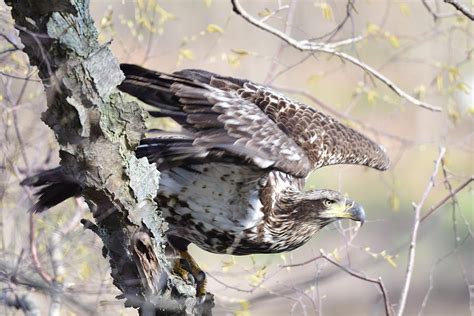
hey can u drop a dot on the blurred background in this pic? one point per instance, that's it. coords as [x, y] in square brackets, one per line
[423, 47]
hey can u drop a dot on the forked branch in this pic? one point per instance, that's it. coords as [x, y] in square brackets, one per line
[330, 48]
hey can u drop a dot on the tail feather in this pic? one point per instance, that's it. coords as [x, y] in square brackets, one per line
[54, 187]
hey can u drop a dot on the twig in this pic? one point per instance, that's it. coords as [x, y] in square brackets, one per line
[434, 14]
[58, 271]
[414, 234]
[446, 198]
[34, 254]
[351, 272]
[288, 26]
[461, 8]
[23, 302]
[307, 45]
[364, 278]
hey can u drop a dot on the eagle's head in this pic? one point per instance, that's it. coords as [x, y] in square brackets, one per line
[323, 207]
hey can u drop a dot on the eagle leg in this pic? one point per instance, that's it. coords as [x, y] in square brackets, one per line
[190, 268]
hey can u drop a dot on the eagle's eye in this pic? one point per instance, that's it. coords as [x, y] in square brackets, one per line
[327, 202]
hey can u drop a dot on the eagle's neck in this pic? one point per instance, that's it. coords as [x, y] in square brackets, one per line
[284, 226]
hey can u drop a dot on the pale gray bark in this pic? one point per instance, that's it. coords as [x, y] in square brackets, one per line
[97, 130]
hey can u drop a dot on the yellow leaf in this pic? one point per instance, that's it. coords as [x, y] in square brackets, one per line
[453, 114]
[245, 305]
[244, 308]
[461, 86]
[257, 278]
[165, 16]
[313, 79]
[233, 60]
[470, 110]
[241, 52]
[372, 29]
[394, 201]
[186, 54]
[226, 265]
[420, 91]
[207, 3]
[372, 96]
[326, 10]
[391, 261]
[453, 73]
[439, 82]
[404, 9]
[213, 28]
[264, 13]
[394, 41]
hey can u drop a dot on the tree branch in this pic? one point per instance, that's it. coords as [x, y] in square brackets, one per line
[97, 131]
[446, 198]
[461, 8]
[330, 48]
[414, 234]
[351, 272]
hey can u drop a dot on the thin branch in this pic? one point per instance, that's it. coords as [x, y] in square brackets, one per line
[351, 272]
[446, 198]
[288, 26]
[434, 14]
[34, 253]
[414, 234]
[355, 274]
[308, 45]
[21, 302]
[461, 8]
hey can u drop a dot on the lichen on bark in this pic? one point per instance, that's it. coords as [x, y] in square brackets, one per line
[97, 130]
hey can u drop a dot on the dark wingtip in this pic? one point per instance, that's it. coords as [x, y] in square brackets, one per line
[131, 69]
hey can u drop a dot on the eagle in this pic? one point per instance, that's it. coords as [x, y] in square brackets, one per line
[232, 178]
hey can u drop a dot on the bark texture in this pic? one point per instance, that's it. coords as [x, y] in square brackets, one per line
[97, 130]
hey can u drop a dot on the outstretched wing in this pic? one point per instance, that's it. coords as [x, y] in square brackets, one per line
[250, 122]
[324, 140]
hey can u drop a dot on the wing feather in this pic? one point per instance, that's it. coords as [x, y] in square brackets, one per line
[251, 122]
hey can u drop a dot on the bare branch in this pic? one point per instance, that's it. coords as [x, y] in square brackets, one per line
[308, 45]
[461, 8]
[435, 14]
[34, 253]
[414, 234]
[446, 198]
[353, 273]
[21, 302]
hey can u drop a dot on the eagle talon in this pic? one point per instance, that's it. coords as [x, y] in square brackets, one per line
[183, 270]
[189, 271]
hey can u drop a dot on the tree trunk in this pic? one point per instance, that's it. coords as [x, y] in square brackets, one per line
[97, 131]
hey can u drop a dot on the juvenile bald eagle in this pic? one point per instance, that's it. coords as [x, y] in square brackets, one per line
[232, 180]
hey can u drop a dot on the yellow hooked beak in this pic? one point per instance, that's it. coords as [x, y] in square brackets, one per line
[350, 209]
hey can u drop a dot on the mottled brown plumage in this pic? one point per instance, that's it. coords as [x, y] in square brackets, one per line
[232, 179]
